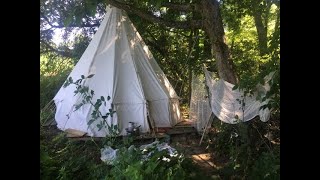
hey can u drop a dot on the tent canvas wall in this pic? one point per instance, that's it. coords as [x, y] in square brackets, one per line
[125, 70]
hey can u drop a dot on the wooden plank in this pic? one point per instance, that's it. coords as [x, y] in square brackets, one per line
[141, 137]
[184, 123]
[183, 126]
[151, 136]
[181, 131]
[86, 138]
[74, 133]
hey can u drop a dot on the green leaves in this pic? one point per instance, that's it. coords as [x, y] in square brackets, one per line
[78, 81]
[115, 127]
[91, 121]
[67, 21]
[97, 104]
[90, 76]
[130, 166]
[157, 3]
[99, 126]
[78, 106]
[68, 82]
[235, 87]
[87, 95]
[95, 114]
[90, 7]
[88, 98]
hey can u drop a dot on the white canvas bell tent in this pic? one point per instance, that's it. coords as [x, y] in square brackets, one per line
[125, 70]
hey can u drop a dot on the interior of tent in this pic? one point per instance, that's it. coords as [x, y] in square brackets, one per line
[123, 69]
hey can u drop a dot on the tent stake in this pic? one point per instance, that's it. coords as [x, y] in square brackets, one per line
[205, 129]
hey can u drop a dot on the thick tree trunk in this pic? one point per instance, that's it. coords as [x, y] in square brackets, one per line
[214, 28]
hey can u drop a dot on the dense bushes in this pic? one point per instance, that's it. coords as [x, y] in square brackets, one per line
[53, 72]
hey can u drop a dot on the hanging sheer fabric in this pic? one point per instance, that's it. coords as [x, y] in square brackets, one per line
[229, 106]
[232, 106]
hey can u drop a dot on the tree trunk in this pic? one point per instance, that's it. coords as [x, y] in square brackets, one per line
[262, 33]
[189, 83]
[213, 26]
[275, 36]
[193, 46]
[261, 23]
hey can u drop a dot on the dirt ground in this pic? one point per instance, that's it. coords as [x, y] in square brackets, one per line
[188, 144]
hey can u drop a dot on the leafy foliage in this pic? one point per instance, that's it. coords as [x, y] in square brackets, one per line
[245, 146]
[53, 72]
[61, 158]
[267, 166]
[130, 165]
[97, 116]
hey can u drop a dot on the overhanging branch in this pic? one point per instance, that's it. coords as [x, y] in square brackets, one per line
[72, 25]
[52, 49]
[179, 7]
[152, 18]
[78, 26]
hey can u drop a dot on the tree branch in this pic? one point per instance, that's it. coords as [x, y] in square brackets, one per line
[46, 19]
[59, 52]
[78, 26]
[152, 18]
[179, 7]
[266, 15]
[72, 25]
[156, 46]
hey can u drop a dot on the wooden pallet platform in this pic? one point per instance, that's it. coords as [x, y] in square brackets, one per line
[181, 130]
[184, 127]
